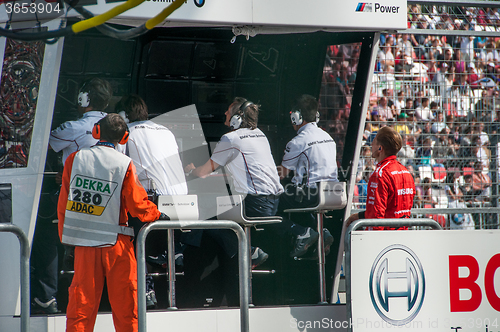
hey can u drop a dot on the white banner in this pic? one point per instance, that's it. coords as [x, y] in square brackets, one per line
[425, 280]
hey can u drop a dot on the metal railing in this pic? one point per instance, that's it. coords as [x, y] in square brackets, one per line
[25, 273]
[374, 223]
[243, 260]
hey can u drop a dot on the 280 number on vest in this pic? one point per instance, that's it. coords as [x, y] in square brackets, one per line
[89, 195]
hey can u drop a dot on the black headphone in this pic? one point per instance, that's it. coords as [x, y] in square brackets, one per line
[237, 118]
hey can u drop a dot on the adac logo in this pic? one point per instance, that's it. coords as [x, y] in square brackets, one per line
[397, 285]
[199, 3]
[364, 7]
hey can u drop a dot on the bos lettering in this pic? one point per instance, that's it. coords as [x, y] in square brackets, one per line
[470, 283]
[386, 9]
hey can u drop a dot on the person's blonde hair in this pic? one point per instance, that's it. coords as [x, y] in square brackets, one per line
[390, 140]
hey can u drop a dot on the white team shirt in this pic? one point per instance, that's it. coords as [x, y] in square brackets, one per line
[155, 153]
[246, 154]
[312, 154]
[73, 136]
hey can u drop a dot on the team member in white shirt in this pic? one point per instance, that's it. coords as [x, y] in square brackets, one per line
[71, 136]
[246, 154]
[154, 151]
[311, 155]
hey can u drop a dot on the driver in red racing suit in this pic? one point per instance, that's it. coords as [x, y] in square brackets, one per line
[391, 187]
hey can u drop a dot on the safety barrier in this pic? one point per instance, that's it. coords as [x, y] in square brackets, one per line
[243, 260]
[25, 273]
[374, 223]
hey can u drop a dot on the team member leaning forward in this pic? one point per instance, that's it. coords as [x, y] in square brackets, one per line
[99, 188]
[246, 154]
[391, 187]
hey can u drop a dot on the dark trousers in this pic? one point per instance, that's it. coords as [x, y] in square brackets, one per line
[294, 198]
[44, 260]
[255, 206]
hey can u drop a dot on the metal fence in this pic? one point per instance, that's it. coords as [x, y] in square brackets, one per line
[437, 84]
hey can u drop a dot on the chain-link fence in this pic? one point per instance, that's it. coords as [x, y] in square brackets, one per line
[440, 91]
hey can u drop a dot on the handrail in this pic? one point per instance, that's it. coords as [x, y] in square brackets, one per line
[25, 273]
[425, 222]
[243, 260]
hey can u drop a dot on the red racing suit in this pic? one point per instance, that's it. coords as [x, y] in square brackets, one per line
[116, 263]
[390, 191]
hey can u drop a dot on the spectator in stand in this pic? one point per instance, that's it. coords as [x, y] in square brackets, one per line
[456, 201]
[446, 57]
[384, 111]
[375, 121]
[405, 48]
[467, 48]
[458, 62]
[481, 183]
[442, 150]
[424, 153]
[412, 124]
[410, 106]
[428, 201]
[479, 46]
[435, 50]
[400, 103]
[481, 153]
[485, 104]
[449, 79]
[440, 124]
[492, 55]
[406, 154]
[400, 126]
[432, 71]
[386, 58]
[478, 129]
[389, 94]
[440, 77]
[491, 72]
[343, 79]
[423, 112]
[472, 77]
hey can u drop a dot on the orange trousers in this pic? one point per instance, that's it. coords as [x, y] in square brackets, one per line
[116, 264]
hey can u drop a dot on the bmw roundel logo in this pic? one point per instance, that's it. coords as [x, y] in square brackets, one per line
[397, 284]
[199, 3]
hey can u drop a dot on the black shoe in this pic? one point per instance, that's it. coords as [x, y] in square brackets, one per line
[49, 307]
[303, 242]
[258, 257]
[162, 260]
[327, 240]
[151, 299]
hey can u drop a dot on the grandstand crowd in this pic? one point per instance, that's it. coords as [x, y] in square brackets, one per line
[441, 93]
